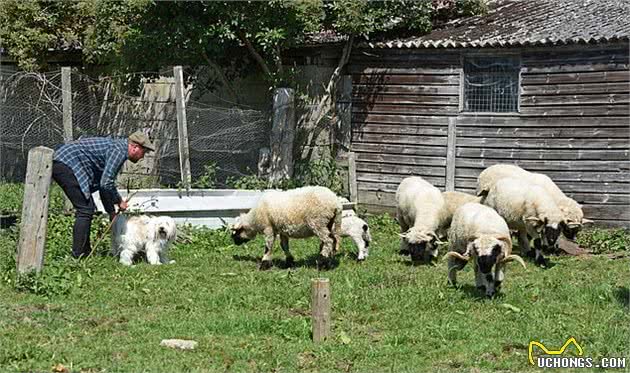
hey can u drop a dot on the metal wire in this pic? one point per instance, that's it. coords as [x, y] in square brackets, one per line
[491, 84]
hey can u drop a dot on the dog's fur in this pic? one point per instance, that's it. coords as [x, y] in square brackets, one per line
[152, 235]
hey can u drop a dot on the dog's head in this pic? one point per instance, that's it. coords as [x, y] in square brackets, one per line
[165, 228]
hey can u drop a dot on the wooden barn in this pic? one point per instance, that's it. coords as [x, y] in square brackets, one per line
[541, 84]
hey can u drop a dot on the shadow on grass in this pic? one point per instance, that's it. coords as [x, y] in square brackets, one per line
[476, 294]
[312, 261]
[622, 294]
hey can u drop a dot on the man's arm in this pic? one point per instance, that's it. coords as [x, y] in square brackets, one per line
[108, 191]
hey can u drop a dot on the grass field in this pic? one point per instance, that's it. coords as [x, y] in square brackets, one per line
[387, 315]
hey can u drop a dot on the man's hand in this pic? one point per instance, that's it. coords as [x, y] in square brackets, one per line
[123, 205]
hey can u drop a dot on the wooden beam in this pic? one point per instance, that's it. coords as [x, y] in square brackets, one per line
[282, 135]
[66, 98]
[35, 210]
[352, 177]
[182, 127]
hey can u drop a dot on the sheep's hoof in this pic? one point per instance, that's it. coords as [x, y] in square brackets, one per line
[289, 262]
[541, 261]
[264, 265]
[324, 264]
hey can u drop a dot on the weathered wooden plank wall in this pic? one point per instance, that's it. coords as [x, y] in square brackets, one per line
[573, 124]
[401, 105]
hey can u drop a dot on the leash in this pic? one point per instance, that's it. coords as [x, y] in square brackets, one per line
[109, 227]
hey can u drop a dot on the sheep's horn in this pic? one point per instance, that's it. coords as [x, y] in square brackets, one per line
[515, 257]
[587, 221]
[454, 254]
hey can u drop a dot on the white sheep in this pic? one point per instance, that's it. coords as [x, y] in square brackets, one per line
[455, 200]
[478, 232]
[571, 210]
[298, 213]
[358, 230]
[420, 210]
[528, 209]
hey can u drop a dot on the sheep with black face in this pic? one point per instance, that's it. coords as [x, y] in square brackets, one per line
[528, 209]
[573, 217]
[420, 210]
[298, 213]
[479, 233]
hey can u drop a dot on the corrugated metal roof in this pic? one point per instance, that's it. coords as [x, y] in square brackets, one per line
[524, 23]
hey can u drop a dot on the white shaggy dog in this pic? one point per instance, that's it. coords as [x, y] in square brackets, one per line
[150, 234]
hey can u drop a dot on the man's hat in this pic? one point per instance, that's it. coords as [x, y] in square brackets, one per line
[142, 139]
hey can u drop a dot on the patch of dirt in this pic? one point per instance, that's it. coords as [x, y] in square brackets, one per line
[572, 248]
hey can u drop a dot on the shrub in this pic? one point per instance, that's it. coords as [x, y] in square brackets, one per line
[601, 240]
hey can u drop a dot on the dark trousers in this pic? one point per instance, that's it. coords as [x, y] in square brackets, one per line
[84, 208]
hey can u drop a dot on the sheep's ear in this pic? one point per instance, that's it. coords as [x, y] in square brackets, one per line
[402, 235]
[587, 221]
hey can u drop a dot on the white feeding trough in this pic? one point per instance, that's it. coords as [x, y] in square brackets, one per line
[198, 207]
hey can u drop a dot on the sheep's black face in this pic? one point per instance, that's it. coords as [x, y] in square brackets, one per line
[489, 283]
[238, 238]
[417, 251]
[551, 235]
[570, 231]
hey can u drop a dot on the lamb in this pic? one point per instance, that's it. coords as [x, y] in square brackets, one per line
[357, 229]
[421, 214]
[298, 213]
[528, 209]
[572, 211]
[455, 200]
[478, 232]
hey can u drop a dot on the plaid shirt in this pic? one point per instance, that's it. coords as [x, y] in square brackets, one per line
[95, 162]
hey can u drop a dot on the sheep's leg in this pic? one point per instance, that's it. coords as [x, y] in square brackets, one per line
[499, 276]
[404, 246]
[539, 258]
[523, 243]
[479, 280]
[270, 240]
[454, 265]
[363, 249]
[284, 243]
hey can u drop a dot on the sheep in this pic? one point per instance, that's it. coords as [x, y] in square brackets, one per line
[357, 229]
[528, 209]
[572, 211]
[420, 210]
[298, 213]
[453, 201]
[480, 233]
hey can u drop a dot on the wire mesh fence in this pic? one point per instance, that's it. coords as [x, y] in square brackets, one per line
[224, 140]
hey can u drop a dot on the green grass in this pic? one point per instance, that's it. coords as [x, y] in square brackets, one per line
[387, 315]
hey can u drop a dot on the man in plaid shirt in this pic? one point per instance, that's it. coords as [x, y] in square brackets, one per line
[84, 166]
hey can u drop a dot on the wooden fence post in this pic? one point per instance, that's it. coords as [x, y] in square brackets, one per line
[182, 127]
[35, 210]
[352, 177]
[343, 136]
[320, 309]
[451, 154]
[282, 135]
[66, 102]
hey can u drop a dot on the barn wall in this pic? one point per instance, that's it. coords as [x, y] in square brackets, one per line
[573, 124]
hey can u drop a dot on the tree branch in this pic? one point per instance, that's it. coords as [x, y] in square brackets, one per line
[325, 103]
[222, 77]
[261, 62]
